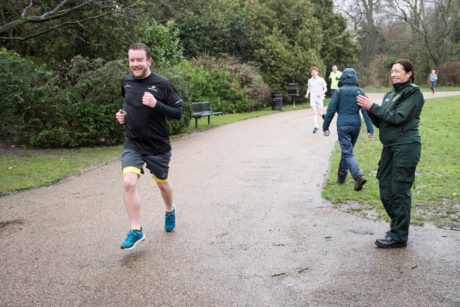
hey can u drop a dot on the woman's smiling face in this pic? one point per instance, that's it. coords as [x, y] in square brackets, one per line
[398, 74]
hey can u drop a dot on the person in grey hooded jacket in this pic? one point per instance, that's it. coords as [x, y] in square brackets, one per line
[343, 102]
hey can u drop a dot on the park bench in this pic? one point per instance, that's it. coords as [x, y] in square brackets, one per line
[202, 109]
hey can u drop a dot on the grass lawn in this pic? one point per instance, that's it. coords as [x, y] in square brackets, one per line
[436, 192]
[27, 168]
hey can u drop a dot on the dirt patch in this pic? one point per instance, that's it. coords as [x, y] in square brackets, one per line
[4, 225]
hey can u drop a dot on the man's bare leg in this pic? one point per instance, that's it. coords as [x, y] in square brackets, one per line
[131, 198]
[167, 194]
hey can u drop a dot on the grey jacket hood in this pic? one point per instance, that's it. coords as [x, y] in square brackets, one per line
[348, 77]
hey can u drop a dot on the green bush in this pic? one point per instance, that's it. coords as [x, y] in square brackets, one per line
[71, 107]
[179, 75]
[230, 86]
[21, 82]
[164, 42]
[214, 86]
[74, 105]
[83, 98]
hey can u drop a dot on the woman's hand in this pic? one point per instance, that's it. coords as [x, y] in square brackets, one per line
[364, 102]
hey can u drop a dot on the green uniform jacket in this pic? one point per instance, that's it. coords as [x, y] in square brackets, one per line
[398, 117]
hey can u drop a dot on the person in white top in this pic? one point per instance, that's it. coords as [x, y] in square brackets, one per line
[317, 88]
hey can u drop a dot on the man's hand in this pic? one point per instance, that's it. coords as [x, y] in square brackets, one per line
[121, 116]
[148, 100]
[370, 135]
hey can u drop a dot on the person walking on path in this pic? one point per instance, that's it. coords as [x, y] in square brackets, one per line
[348, 125]
[433, 79]
[334, 78]
[398, 119]
[317, 89]
[148, 99]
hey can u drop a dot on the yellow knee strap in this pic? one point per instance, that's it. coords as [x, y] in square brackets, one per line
[132, 169]
[159, 180]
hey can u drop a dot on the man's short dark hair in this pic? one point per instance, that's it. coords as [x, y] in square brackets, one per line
[141, 46]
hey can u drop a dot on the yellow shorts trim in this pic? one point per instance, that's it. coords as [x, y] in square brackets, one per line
[132, 169]
[158, 180]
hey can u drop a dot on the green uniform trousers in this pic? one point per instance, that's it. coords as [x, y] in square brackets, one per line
[396, 174]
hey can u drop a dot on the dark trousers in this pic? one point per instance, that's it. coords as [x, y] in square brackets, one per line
[432, 86]
[396, 176]
[348, 135]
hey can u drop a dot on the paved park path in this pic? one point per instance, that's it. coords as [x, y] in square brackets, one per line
[252, 230]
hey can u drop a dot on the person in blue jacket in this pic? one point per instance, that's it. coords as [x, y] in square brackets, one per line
[343, 102]
[433, 78]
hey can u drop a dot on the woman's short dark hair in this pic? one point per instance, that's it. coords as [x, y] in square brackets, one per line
[408, 67]
[141, 46]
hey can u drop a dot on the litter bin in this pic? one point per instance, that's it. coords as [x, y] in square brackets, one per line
[277, 101]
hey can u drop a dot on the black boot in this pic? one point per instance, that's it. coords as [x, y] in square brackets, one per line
[359, 182]
[388, 242]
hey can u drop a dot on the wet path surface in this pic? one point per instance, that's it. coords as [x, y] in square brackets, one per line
[252, 230]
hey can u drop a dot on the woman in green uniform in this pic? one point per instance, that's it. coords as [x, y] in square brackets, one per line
[398, 119]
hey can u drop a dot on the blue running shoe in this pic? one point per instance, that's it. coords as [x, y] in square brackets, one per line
[132, 238]
[170, 220]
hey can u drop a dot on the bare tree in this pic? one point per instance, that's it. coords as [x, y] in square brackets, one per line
[361, 15]
[432, 23]
[51, 19]
[353, 11]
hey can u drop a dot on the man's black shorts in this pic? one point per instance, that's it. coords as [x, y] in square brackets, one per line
[133, 162]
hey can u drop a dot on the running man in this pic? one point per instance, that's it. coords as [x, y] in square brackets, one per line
[148, 99]
[317, 89]
[334, 78]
